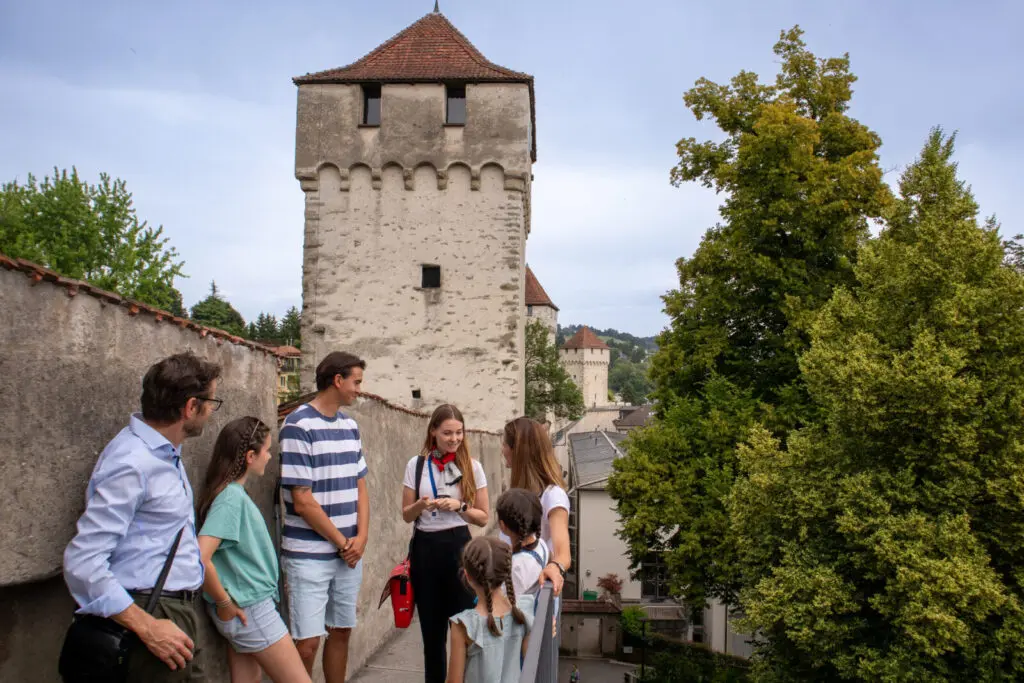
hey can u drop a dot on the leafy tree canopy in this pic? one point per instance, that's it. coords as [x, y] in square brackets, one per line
[92, 233]
[549, 389]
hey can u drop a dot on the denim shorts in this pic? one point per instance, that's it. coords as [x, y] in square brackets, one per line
[264, 628]
[322, 594]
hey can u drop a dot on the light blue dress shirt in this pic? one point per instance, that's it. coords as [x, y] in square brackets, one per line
[138, 498]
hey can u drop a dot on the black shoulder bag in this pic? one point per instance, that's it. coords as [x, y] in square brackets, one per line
[96, 648]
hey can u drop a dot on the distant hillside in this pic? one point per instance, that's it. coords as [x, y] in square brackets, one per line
[630, 356]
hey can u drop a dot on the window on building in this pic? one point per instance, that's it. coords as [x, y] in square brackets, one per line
[417, 394]
[654, 578]
[431, 277]
[456, 110]
[371, 104]
[529, 311]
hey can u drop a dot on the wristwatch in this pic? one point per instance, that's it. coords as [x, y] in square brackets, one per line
[561, 569]
[463, 508]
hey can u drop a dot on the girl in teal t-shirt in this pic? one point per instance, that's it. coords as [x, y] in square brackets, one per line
[241, 565]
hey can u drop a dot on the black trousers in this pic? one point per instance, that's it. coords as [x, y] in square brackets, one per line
[438, 592]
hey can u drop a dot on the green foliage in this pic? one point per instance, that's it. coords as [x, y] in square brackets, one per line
[92, 233]
[631, 620]
[264, 329]
[689, 663]
[886, 541]
[290, 330]
[548, 386]
[801, 181]
[630, 380]
[213, 311]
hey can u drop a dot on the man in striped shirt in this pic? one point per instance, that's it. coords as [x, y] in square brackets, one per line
[327, 515]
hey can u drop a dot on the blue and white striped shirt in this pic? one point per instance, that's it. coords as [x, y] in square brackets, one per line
[324, 454]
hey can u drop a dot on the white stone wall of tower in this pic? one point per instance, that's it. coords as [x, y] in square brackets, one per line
[380, 203]
[589, 370]
[546, 315]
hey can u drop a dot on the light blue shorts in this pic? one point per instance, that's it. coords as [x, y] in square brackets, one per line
[322, 594]
[264, 628]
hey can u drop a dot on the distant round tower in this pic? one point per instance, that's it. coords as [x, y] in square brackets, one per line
[586, 358]
[416, 163]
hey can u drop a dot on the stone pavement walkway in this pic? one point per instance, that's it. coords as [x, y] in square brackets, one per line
[401, 661]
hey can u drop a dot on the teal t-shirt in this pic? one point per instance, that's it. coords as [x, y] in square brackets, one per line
[246, 562]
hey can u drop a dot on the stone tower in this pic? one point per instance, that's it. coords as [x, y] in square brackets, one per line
[416, 164]
[586, 358]
[539, 306]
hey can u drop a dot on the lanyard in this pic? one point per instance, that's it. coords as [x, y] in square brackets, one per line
[433, 486]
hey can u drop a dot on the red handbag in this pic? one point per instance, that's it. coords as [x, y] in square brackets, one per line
[399, 589]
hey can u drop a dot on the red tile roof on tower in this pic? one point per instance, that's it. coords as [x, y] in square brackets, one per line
[431, 50]
[585, 339]
[535, 294]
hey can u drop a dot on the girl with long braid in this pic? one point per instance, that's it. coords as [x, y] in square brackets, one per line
[240, 585]
[519, 518]
[489, 640]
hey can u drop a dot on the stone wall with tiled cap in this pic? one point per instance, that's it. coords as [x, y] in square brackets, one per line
[71, 369]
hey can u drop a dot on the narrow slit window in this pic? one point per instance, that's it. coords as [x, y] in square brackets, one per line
[431, 277]
[417, 394]
[456, 115]
[371, 105]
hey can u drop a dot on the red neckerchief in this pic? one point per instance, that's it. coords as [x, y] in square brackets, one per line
[442, 460]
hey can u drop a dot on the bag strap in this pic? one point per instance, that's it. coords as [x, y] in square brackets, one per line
[420, 461]
[159, 588]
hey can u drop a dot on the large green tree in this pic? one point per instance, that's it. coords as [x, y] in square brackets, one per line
[549, 389]
[801, 181]
[886, 542]
[290, 330]
[215, 311]
[92, 233]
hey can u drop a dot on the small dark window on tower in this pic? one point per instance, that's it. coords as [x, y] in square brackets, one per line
[431, 277]
[416, 394]
[371, 104]
[456, 105]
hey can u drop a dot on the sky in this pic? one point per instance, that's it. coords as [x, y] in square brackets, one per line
[193, 105]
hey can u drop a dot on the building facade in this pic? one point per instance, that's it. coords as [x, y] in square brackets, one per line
[416, 165]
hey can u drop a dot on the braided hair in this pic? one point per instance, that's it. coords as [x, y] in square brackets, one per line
[520, 510]
[488, 564]
[229, 462]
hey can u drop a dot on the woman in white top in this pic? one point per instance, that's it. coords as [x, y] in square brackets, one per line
[527, 449]
[450, 495]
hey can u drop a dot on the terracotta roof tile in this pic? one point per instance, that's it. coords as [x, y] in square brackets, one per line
[37, 273]
[535, 294]
[287, 351]
[585, 339]
[431, 50]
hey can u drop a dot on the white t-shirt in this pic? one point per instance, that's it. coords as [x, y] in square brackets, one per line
[439, 520]
[554, 497]
[527, 566]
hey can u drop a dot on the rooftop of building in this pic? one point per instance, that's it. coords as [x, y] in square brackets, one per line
[636, 418]
[431, 50]
[535, 294]
[591, 455]
[584, 339]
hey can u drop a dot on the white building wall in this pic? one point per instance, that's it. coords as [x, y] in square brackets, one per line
[601, 551]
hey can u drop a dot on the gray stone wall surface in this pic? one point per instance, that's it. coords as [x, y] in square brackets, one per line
[71, 372]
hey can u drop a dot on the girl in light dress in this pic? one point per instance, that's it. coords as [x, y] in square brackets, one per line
[489, 640]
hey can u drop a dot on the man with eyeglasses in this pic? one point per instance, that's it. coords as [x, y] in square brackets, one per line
[138, 499]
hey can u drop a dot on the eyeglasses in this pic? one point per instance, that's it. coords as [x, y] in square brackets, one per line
[217, 403]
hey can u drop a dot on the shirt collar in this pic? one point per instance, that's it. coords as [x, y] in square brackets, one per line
[154, 440]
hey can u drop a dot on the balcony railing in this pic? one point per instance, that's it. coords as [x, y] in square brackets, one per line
[541, 662]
